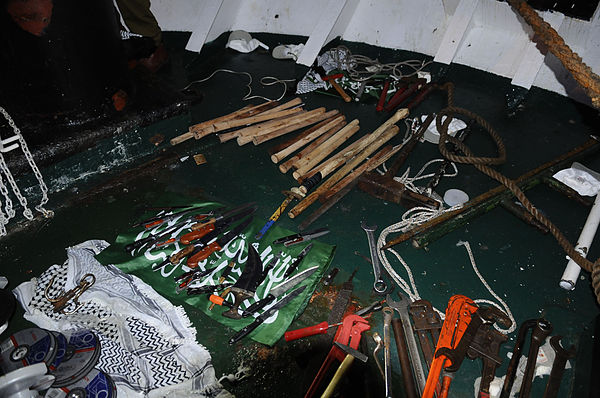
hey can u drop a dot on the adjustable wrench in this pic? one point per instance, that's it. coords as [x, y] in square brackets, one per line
[379, 285]
[558, 367]
[415, 359]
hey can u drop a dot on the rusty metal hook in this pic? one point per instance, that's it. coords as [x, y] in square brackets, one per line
[61, 301]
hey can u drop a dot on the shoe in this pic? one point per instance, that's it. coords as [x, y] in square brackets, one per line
[156, 60]
[287, 51]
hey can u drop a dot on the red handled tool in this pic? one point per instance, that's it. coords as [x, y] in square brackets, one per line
[320, 328]
[381, 102]
[218, 244]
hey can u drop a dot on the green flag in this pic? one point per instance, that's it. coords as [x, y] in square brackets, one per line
[162, 280]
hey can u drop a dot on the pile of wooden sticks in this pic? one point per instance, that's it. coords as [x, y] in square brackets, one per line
[311, 154]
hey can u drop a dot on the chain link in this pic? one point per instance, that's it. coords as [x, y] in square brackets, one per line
[27, 213]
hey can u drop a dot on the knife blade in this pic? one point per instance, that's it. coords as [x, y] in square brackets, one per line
[265, 315]
[243, 291]
[293, 266]
[300, 237]
[230, 213]
[279, 290]
[218, 244]
[220, 223]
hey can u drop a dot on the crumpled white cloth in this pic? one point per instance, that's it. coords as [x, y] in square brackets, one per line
[583, 182]
[148, 346]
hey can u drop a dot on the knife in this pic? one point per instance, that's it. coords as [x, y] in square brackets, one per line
[220, 223]
[217, 245]
[300, 237]
[265, 315]
[297, 261]
[231, 212]
[279, 290]
[246, 285]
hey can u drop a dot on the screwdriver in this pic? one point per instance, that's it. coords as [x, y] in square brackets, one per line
[320, 328]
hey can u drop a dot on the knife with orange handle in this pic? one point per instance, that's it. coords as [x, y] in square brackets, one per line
[222, 278]
[220, 223]
[218, 244]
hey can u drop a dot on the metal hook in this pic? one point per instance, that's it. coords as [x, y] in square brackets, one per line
[61, 301]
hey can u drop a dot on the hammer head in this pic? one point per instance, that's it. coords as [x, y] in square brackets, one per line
[351, 351]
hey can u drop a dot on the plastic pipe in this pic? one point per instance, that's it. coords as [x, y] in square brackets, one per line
[572, 270]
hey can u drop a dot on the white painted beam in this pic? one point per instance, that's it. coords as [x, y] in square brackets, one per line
[532, 58]
[333, 20]
[208, 10]
[456, 31]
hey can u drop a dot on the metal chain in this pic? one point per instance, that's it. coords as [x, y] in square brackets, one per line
[38, 175]
[10, 212]
[13, 184]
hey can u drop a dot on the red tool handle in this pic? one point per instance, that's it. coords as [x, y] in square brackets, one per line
[332, 77]
[320, 328]
[384, 91]
[166, 242]
[203, 254]
[153, 224]
[197, 234]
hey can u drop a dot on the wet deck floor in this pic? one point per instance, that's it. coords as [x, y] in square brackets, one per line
[97, 199]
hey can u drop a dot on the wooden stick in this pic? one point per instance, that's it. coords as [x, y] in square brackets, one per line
[328, 165]
[290, 141]
[224, 137]
[288, 129]
[247, 111]
[191, 130]
[371, 164]
[338, 175]
[306, 137]
[204, 129]
[287, 105]
[313, 159]
[249, 133]
[345, 185]
[288, 164]
[355, 147]
[228, 124]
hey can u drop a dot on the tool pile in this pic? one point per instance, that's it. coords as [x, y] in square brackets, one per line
[230, 282]
[430, 351]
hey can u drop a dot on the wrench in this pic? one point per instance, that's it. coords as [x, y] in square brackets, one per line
[388, 314]
[402, 308]
[538, 335]
[511, 371]
[379, 285]
[558, 367]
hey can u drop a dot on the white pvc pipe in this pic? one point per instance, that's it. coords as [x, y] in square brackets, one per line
[572, 270]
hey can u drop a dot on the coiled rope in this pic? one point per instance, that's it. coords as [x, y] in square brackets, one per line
[483, 164]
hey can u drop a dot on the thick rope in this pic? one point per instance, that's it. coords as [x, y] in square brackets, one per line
[481, 163]
[582, 73]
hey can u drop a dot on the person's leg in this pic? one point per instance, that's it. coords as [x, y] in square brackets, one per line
[139, 19]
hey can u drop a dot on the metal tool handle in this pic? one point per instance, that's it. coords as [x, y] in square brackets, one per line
[407, 376]
[413, 350]
[388, 313]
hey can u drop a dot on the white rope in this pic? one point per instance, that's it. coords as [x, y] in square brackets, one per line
[265, 81]
[361, 67]
[410, 219]
[503, 306]
[409, 182]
